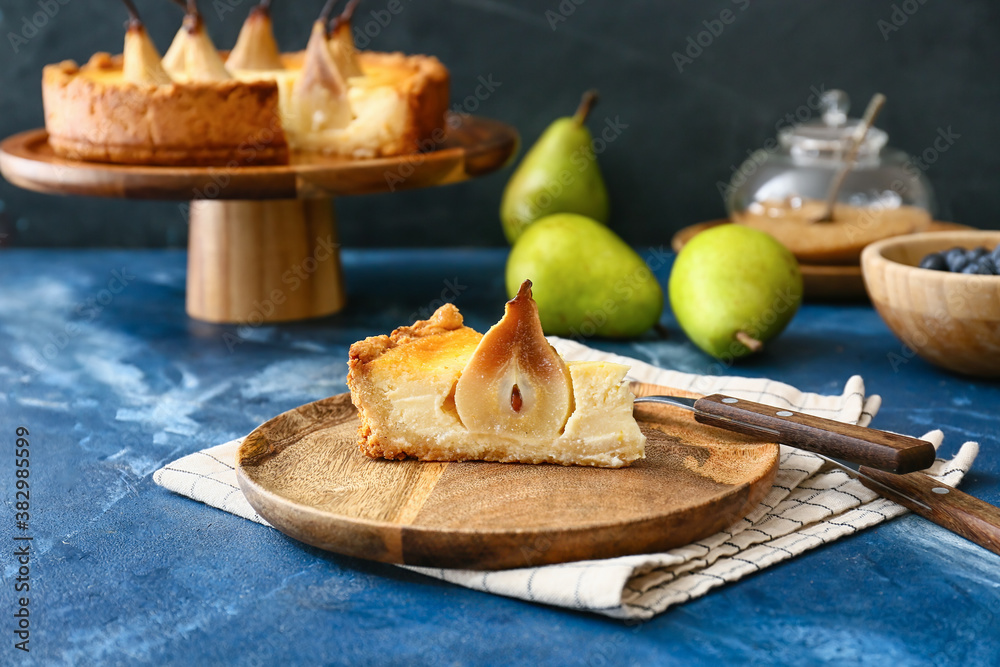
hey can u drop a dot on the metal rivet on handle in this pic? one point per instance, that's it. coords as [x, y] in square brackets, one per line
[784, 413]
[730, 400]
[940, 489]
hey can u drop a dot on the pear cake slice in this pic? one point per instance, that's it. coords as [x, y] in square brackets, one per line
[253, 106]
[440, 391]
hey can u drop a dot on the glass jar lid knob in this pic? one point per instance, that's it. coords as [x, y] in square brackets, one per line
[835, 105]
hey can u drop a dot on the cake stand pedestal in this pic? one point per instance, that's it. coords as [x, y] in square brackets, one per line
[263, 240]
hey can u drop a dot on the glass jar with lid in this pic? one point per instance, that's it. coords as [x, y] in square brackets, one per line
[783, 190]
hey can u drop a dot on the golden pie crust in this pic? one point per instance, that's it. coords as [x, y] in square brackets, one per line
[91, 113]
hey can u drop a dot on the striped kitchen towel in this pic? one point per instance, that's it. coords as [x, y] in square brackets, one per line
[810, 504]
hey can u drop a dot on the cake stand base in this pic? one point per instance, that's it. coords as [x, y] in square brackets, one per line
[256, 261]
[263, 243]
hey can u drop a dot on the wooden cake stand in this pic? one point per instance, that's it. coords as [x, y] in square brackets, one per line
[263, 240]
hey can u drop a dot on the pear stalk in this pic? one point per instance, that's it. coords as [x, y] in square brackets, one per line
[587, 104]
[192, 56]
[133, 14]
[141, 60]
[749, 341]
[347, 15]
[321, 92]
[539, 186]
[342, 42]
[324, 14]
[256, 48]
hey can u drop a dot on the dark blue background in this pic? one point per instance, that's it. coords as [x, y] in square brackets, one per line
[686, 130]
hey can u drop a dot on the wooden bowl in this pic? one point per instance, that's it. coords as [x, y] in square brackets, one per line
[949, 319]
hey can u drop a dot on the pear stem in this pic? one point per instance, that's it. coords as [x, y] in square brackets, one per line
[345, 16]
[324, 15]
[857, 138]
[192, 17]
[586, 105]
[524, 292]
[348, 12]
[752, 343]
[189, 6]
[133, 14]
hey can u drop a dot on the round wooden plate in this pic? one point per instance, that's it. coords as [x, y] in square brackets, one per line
[819, 281]
[475, 147]
[302, 471]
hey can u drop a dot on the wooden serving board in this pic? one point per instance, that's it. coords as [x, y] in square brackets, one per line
[303, 472]
[822, 282]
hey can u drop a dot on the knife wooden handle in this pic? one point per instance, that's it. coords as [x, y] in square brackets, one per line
[867, 446]
[962, 514]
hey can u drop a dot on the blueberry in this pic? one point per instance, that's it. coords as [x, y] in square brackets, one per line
[988, 266]
[976, 253]
[976, 269]
[996, 255]
[956, 260]
[934, 261]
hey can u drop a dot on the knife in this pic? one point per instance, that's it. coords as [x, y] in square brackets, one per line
[867, 446]
[962, 514]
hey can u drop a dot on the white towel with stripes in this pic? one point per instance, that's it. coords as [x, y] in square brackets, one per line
[809, 505]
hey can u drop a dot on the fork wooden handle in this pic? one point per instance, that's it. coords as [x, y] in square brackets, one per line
[962, 514]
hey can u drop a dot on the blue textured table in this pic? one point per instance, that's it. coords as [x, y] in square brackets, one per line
[99, 362]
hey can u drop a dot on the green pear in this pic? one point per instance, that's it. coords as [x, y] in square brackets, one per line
[558, 175]
[732, 288]
[586, 281]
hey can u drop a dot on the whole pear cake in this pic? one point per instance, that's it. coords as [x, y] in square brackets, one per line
[251, 106]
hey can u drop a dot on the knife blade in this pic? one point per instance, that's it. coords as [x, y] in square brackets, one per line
[867, 446]
[974, 519]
